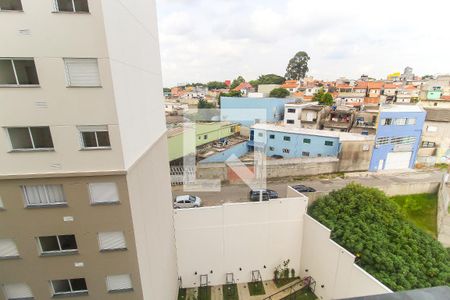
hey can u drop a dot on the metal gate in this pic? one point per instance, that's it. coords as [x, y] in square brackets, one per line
[181, 175]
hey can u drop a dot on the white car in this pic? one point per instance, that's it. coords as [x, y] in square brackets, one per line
[187, 201]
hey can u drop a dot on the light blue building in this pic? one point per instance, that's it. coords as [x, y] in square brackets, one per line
[398, 137]
[296, 142]
[248, 111]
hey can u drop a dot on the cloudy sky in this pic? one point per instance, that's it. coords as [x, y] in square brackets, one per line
[204, 40]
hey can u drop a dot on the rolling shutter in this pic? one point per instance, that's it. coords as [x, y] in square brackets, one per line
[111, 240]
[17, 291]
[8, 248]
[103, 192]
[82, 72]
[119, 282]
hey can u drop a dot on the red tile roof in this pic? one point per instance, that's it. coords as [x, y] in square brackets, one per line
[371, 100]
[361, 85]
[375, 85]
[290, 84]
[390, 86]
[243, 85]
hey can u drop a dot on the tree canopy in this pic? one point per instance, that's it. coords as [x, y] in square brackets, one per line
[297, 66]
[270, 79]
[215, 85]
[204, 104]
[323, 98]
[237, 82]
[367, 223]
[279, 93]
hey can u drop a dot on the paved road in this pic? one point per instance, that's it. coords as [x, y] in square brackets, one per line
[239, 192]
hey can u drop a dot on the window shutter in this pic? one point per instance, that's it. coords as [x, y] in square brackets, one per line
[2, 206]
[8, 248]
[17, 291]
[55, 193]
[82, 72]
[111, 240]
[119, 282]
[103, 192]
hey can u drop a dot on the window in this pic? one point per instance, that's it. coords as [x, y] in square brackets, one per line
[103, 192]
[2, 206]
[272, 136]
[94, 137]
[287, 138]
[411, 121]
[205, 136]
[290, 121]
[30, 138]
[58, 244]
[305, 154]
[72, 5]
[291, 110]
[82, 72]
[382, 141]
[119, 283]
[271, 149]
[431, 128]
[400, 121]
[17, 291]
[11, 5]
[8, 249]
[69, 286]
[109, 241]
[286, 150]
[387, 121]
[328, 143]
[260, 134]
[43, 195]
[18, 72]
[428, 144]
[306, 141]
[364, 132]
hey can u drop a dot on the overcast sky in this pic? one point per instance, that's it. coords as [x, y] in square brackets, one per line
[205, 40]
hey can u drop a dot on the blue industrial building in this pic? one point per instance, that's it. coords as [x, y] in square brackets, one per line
[248, 111]
[399, 131]
[295, 142]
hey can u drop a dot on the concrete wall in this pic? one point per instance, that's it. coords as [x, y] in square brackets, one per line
[355, 156]
[438, 132]
[237, 150]
[238, 238]
[443, 216]
[332, 267]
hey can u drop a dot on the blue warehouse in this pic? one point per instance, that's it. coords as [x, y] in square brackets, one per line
[248, 111]
[398, 137]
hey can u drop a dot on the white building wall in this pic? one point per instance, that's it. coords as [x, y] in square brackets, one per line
[332, 267]
[246, 236]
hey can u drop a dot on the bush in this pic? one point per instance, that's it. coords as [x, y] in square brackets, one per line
[366, 222]
[279, 93]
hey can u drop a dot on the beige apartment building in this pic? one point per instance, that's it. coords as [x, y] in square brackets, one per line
[85, 200]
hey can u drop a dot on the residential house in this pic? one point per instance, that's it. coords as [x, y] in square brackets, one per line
[265, 89]
[248, 111]
[435, 145]
[390, 91]
[340, 118]
[374, 88]
[175, 108]
[312, 116]
[244, 88]
[399, 131]
[293, 113]
[291, 85]
[365, 122]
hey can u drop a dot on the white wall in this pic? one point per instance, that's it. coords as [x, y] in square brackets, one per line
[332, 266]
[247, 235]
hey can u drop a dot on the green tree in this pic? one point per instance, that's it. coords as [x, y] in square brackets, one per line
[297, 66]
[215, 85]
[237, 82]
[317, 97]
[204, 104]
[270, 79]
[166, 90]
[323, 98]
[369, 224]
[279, 93]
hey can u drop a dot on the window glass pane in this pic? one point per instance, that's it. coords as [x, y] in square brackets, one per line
[7, 72]
[26, 71]
[61, 286]
[81, 5]
[103, 139]
[42, 137]
[307, 141]
[49, 243]
[10, 5]
[68, 242]
[65, 5]
[78, 284]
[55, 193]
[89, 140]
[20, 138]
[35, 194]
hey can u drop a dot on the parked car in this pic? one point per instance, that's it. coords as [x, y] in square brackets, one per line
[303, 188]
[266, 195]
[187, 201]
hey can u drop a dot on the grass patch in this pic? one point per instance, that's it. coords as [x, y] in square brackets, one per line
[230, 292]
[181, 294]
[256, 288]
[283, 281]
[420, 209]
[303, 294]
[204, 293]
[441, 166]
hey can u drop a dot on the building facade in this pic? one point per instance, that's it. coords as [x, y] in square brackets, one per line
[435, 145]
[399, 132]
[84, 180]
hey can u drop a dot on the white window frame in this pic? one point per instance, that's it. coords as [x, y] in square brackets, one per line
[111, 290]
[95, 129]
[27, 295]
[15, 72]
[72, 292]
[13, 243]
[90, 187]
[56, 7]
[111, 249]
[45, 186]
[411, 121]
[67, 73]
[59, 245]
[400, 121]
[31, 138]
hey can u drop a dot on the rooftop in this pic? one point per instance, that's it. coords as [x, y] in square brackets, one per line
[401, 108]
[438, 115]
[343, 136]
[301, 105]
